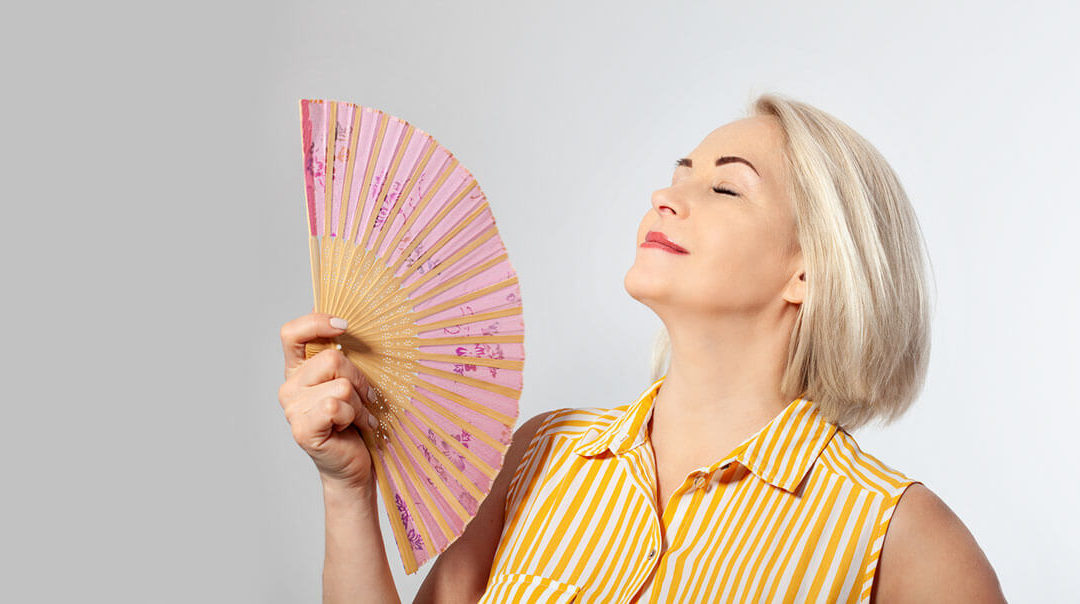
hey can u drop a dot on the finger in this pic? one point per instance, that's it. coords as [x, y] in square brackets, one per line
[341, 414]
[313, 428]
[340, 389]
[330, 406]
[303, 329]
[327, 365]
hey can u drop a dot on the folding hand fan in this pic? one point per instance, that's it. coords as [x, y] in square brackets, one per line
[404, 247]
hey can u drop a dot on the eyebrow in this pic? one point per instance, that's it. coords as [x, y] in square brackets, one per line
[727, 159]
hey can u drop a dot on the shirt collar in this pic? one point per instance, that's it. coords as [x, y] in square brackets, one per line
[780, 453]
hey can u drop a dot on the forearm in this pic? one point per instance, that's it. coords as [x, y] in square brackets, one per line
[355, 569]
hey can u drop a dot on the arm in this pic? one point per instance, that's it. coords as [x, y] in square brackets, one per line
[460, 573]
[355, 568]
[930, 556]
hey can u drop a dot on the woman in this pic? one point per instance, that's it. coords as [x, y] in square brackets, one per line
[785, 263]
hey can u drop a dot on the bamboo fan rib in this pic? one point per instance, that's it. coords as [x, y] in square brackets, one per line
[404, 247]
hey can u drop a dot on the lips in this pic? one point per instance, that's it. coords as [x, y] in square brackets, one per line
[658, 240]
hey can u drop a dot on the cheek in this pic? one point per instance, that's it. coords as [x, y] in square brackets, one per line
[739, 258]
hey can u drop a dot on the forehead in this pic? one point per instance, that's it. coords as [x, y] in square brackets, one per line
[759, 139]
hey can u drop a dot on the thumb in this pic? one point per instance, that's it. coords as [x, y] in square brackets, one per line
[301, 330]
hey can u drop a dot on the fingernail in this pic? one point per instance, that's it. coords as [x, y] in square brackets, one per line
[371, 394]
[337, 323]
[374, 423]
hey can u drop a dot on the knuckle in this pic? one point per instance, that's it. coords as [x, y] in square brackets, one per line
[341, 388]
[330, 406]
[299, 433]
[337, 357]
[326, 358]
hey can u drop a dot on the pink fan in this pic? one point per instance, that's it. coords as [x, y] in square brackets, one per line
[405, 248]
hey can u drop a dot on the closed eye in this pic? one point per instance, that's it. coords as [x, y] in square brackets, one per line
[725, 191]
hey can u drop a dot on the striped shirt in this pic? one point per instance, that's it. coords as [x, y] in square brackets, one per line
[796, 513]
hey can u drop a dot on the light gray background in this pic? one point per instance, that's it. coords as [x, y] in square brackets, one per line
[154, 242]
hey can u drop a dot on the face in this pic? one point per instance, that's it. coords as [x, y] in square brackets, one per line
[734, 222]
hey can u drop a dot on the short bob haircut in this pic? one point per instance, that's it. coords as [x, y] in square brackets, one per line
[861, 340]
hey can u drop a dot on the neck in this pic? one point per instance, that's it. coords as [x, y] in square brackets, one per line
[723, 382]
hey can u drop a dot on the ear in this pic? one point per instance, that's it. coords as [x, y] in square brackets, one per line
[795, 290]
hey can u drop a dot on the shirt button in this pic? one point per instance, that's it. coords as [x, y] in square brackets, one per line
[699, 482]
[651, 553]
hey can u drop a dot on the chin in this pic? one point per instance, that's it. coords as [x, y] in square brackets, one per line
[646, 287]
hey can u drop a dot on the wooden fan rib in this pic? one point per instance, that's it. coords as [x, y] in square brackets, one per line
[333, 266]
[490, 387]
[479, 434]
[307, 152]
[450, 341]
[502, 418]
[476, 461]
[343, 204]
[407, 429]
[403, 195]
[350, 162]
[328, 168]
[388, 285]
[422, 235]
[465, 276]
[448, 262]
[410, 352]
[346, 259]
[462, 299]
[355, 284]
[365, 281]
[316, 268]
[346, 189]
[384, 187]
[446, 530]
[463, 480]
[467, 319]
[467, 360]
[385, 489]
[324, 276]
[374, 282]
[391, 172]
[450, 234]
[410, 506]
[372, 159]
[329, 131]
[445, 172]
[404, 308]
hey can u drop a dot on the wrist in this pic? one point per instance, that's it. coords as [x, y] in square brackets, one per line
[338, 491]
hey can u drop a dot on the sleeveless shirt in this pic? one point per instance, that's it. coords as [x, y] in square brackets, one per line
[796, 513]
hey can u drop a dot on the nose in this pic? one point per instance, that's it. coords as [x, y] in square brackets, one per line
[668, 200]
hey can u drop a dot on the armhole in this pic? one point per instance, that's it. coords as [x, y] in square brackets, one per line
[877, 539]
[526, 460]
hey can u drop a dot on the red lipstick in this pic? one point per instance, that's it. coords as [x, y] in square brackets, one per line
[658, 240]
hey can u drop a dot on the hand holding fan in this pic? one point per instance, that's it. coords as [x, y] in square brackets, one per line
[404, 247]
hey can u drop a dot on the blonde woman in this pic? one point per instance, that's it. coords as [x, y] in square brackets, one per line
[787, 267]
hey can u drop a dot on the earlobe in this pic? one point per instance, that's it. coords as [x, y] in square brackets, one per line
[795, 291]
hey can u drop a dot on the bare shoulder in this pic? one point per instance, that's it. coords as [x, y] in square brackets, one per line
[460, 573]
[929, 555]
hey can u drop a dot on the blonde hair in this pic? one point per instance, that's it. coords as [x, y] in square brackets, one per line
[861, 340]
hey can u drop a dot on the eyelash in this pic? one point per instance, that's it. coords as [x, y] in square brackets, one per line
[715, 189]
